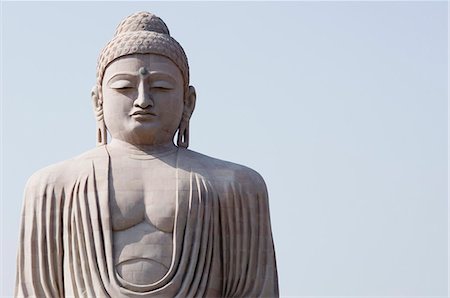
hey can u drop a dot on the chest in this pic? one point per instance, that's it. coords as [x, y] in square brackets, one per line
[142, 190]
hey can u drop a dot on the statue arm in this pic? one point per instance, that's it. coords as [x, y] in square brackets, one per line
[249, 257]
[39, 258]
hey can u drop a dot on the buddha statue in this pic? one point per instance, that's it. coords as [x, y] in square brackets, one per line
[139, 216]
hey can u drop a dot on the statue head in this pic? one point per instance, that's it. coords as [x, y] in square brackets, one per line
[142, 95]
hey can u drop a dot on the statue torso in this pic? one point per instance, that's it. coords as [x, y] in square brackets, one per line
[142, 205]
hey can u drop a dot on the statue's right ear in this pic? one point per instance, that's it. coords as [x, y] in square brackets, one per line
[95, 98]
[98, 112]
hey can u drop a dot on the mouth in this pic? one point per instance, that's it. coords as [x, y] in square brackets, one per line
[142, 115]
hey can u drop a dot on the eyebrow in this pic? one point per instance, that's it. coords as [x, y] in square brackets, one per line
[152, 74]
[162, 75]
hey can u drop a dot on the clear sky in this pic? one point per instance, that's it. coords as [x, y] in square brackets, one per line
[341, 106]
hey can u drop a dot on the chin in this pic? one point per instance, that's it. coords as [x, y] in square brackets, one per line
[147, 133]
[140, 127]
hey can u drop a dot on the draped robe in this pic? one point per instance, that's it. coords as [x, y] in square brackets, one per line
[222, 239]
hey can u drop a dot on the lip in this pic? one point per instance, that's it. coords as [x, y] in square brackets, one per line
[142, 113]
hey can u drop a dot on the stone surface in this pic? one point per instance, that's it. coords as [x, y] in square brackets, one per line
[140, 216]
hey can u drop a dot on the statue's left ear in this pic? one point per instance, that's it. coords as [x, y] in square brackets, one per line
[189, 102]
[183, 129]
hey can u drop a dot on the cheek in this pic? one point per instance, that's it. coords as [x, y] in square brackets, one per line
[171, 106]
[115, 108]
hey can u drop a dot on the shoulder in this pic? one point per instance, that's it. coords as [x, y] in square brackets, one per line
[220, 170]
[65, 171]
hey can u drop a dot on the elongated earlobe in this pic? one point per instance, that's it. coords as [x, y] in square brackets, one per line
[98, 111]
[183, 134]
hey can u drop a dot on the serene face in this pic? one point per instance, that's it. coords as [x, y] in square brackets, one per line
[143, 99]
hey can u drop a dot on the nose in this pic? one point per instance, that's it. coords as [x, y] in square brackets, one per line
[144, 99]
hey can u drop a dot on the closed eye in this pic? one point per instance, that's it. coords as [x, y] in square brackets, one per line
[121, 84]
[161, 85]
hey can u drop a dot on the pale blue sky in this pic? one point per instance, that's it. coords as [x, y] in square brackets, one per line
[341, 106]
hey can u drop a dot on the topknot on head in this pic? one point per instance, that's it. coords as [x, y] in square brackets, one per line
[142, 21]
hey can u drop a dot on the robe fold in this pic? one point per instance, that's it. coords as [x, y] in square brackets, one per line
[222, 239]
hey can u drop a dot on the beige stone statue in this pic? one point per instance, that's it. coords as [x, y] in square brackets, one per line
[140, 216]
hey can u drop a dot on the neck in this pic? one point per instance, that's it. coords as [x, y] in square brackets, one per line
[143, 150]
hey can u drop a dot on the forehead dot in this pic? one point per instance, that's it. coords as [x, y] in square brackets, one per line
[143, 71]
